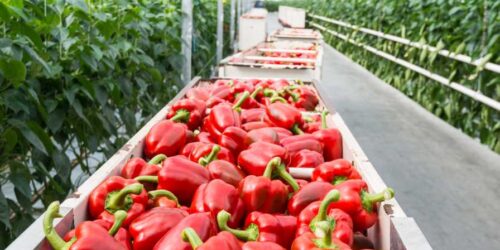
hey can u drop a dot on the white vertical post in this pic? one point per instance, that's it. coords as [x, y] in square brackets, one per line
[231, 24]
[220, 31]
[238, 15]
[187, 38]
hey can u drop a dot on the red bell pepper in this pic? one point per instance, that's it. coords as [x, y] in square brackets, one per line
[162, 198]
[319, 240]
[205, 153]
[303, 97]
[311, 192]
[295, 146]
[182, 177]
[288, 225]
[149, 227]
[251, 102]
[203, 137]
[262, 134]
[255, 159]
[222, 241]
[285, 116]
[249, 126]
[282, 132]
[340, 222]
[260, 193]
[214, 101]
[223, 116]
[359, 203]
[253, 245]
[189, 148]
[225, 171]
[202, 223]
[117, 193]
[122, 235]
[88, 235]
[334, 172]
[137, 166]
[216, 196]
[223, 92]
[198, 93]
[265, 228]
[252, 115]
[232, 139]
[165, 137]
[306, 159]
[331, 138]
[188, 111]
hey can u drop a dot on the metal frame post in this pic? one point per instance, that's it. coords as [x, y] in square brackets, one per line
[220, 31]
[187, 39]
[232, 24]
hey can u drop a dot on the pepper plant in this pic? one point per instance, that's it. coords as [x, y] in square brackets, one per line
[77, 80]
[463, 27]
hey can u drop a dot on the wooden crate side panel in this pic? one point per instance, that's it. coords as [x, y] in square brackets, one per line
[406, 234]
[249, 72]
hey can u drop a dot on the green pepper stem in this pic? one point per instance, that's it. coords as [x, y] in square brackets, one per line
[255, 92]
[332, 196]
[323, 232]
[181, 115]
[147, 178]
[163, 193]
[159, 158]
[295, 96]
[251, 233]
[242, 99]
[189, 235]
[210, 157]
[270, 93]
[324, 125]
[117, 200]
[339, 179]
[277, 98]
[271, 165]
[120, 217]
[281, 170]
[52, 236]
[387, 194]
[296, 130]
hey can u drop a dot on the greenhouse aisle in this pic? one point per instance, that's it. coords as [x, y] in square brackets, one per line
[444, 179]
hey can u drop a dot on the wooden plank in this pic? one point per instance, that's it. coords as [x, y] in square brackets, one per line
[287, 50]
[280, 59]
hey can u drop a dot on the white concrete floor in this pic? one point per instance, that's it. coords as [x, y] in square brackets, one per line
[447, 181]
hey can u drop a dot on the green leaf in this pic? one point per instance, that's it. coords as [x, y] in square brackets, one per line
[4, 13]
[20, 177]
[56, 119]
[13, 70]
[79, 4]
[62, 164]
[10, 138]
[4, 210]
[34, 37]
[41, 134]
[29, 135]
[35, 56]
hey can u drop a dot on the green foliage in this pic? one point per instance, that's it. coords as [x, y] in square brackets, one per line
[468, 27]
[77, 79]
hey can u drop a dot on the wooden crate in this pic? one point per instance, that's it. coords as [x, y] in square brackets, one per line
[291, 34]
[292, 17]
[393, 231]
[248, 64]
[253, 29]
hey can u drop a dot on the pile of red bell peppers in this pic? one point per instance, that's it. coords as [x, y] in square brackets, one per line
[215, 175]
